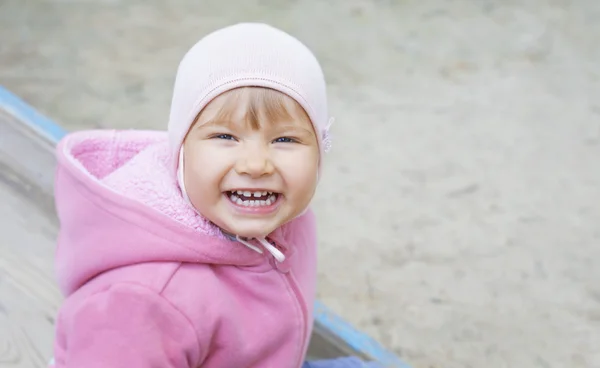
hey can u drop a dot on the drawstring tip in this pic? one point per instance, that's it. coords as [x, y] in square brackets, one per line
[279, 256]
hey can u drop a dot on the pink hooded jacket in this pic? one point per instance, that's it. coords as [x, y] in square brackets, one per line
[148, 283]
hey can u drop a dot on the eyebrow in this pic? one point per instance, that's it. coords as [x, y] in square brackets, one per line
[294, 127]
[216, 123]
[232, 125]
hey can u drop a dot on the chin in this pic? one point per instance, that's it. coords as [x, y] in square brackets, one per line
[254, 233]
[251, 231]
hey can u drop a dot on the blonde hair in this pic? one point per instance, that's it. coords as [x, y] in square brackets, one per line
[263, 105]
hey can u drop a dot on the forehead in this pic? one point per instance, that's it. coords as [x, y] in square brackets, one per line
[256, 108]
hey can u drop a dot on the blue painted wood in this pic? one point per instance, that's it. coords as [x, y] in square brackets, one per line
[356, 339]
[28, 115]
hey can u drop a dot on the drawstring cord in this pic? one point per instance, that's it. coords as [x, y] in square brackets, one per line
[279, 256]
[249, 245]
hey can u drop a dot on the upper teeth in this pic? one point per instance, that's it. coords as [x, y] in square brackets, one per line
[241, 200]
[255, 194]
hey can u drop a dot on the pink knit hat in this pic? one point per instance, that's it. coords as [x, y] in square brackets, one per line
[241, 55]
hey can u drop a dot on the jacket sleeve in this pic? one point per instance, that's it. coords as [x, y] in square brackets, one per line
[128, 326]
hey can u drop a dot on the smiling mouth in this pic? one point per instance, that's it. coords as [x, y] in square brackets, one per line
[248, 198]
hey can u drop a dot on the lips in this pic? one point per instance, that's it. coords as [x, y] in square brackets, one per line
[256, 198]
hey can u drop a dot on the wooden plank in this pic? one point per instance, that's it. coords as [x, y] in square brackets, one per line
[29, 297]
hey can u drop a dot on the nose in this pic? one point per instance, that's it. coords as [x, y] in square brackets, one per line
[254, 161]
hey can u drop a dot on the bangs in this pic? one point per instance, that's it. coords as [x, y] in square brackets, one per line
[257, 106]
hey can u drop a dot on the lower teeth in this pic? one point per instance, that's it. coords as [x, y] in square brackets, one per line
[253, 203]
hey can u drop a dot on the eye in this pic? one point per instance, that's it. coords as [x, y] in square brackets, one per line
[285, 140]
[223, 136]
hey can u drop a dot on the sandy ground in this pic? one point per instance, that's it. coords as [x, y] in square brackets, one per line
[460, 207]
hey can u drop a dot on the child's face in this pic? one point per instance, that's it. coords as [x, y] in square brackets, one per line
[253, 168]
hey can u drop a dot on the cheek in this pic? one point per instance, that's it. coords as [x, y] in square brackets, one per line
[202, 174]
[300, 175]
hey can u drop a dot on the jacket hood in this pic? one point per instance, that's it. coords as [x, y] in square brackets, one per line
[119, 204]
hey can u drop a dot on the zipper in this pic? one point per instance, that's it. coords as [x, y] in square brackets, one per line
[277, 258]
[291, 280]
[304, 314]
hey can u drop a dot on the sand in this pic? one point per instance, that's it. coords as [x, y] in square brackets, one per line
[459, 210]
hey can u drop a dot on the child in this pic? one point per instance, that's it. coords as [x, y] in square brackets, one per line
[196, 248]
